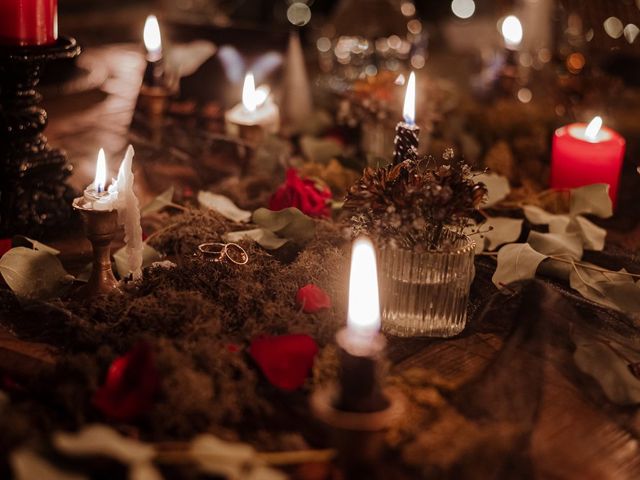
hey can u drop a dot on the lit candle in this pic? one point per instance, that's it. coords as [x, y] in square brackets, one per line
[256, 115]
[512, 32]
[154, 71]
[361, 344]
[28, 22]
[96, 196]
[407, 132]
[585, 154]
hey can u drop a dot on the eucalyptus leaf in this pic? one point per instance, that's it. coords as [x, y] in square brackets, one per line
[320, 150]
[538, 216]
[217, 457]
[26, 465]
[558, 244]
[161, 201]
[611, 289]
[263, 237]
[503, 230]
[516, 261]
[592, 199]
[224, 206]
[22, 241]
[608, 368]
[497, 187]
[101, 440]
[593, 237]
[34, 274]
[289, 223]
[121, 259]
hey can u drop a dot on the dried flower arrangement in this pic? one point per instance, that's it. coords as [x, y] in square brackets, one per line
[413, 204]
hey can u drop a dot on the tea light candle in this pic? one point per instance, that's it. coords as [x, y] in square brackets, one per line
[361, 344]
[256, 112]
[585, 154]
[28, 22]
[407, 132]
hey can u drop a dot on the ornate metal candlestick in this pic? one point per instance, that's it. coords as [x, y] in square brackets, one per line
[100, 228]
[32, 174]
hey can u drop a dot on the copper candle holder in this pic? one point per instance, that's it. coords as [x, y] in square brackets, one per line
[100, 227]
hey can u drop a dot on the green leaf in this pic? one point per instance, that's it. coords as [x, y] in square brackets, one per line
[163, 200]
[263, 237]
[503, 230]
[497, 187]
[224, 206]
[608, 368]
[22, 241]
[593, 237]
[149, 255]
[289, 223]
[592, 199]
[34, 274]
[26, 465]
[538, 216]
[516, 261]
[558, 244]
[610, 289]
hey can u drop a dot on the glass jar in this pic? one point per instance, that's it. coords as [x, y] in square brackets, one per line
[426, 293]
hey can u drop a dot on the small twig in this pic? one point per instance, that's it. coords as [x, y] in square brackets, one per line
[158, 232]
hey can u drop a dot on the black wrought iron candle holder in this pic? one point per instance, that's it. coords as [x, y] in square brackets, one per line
[100, 227]
[33, 192]
[358, 410]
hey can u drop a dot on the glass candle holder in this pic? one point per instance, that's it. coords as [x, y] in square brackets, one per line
[426, 293]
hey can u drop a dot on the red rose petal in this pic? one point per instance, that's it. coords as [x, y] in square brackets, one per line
[5, 245]
[131, 384]
[285, 360]
[304, 194]
[312, 298]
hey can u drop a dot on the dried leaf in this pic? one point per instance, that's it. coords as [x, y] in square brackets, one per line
[610, 289]
[34, 274]
[497, 187]
[185, 59]
[224, 206]
[217, 457]
[263, 237]
[289, 223]
[607, 367]
[144, 471]
[592, 199]
[538, 216]
[516, 261]
[22, 241]
[163, 200]
[558, 244]
[26, 465]
[503, 230]
[121, 259]
[593, 237]
[101, 440]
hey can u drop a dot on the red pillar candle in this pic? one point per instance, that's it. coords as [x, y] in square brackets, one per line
[28, 22]
[585, 154]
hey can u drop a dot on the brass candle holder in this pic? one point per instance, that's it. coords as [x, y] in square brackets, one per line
[100, 227]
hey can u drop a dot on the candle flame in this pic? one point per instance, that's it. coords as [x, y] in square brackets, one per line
[261, 95]
[364, 304]
[512, 31]
[592, 130]
[101, 172]
[400, 80]
[152, 39]
[409, 109]
[249, 93]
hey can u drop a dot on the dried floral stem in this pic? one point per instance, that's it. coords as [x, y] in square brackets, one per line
[181, 455]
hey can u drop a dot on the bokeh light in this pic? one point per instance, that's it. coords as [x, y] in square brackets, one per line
[299, 14]
[463, 8]
[613, 26]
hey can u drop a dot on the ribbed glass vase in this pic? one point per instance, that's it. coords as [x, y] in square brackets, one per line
[426, 293]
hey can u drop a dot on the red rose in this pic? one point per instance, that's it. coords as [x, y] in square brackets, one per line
[5, 245]
[131, 384]
[306, 195]
[312, 298]
[285, 360]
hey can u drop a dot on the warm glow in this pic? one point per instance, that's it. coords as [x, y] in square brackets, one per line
[409, 109]
[101, 172]
[364, 304]
[512, 31]
[592, 130]
[249, 99]
[261, 94]
[463, 8]
[152, 40]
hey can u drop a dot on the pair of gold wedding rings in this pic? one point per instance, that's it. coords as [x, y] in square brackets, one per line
[218, 252]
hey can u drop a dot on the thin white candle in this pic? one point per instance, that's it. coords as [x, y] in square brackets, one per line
[363, 321]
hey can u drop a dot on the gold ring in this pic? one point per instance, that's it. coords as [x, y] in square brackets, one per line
[216, 250]
[236, 254]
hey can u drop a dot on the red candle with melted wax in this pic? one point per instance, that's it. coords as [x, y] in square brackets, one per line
[28, 22]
